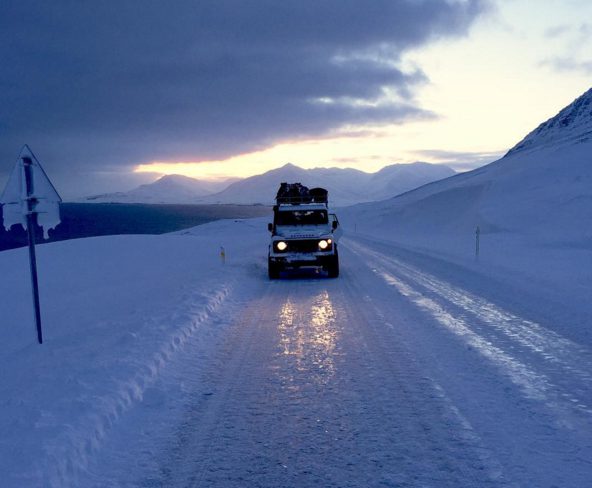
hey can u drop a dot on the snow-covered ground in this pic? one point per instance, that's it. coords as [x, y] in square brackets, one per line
[116, 312]
[163, 366]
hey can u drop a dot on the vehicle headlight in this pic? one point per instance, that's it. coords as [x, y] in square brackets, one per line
[281, 246]
[324, 244]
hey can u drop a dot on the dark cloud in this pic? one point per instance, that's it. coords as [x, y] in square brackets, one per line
[116, 83]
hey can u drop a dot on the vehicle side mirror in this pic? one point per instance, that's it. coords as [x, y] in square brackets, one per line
[335, 224]
[270, 227]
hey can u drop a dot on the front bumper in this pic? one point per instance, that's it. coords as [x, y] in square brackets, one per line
[297, 260]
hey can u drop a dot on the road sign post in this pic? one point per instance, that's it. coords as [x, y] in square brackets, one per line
[30, 199]
[31, 223]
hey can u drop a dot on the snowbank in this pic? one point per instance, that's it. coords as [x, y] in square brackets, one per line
[116, 310]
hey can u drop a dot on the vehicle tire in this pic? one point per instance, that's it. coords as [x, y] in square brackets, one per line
[273, 270]
[333, 267]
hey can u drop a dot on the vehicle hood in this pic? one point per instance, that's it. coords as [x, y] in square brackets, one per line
[302, 231]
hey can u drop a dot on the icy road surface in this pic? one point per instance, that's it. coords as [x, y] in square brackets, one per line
[389, 376]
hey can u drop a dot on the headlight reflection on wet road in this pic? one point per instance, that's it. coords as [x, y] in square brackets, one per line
[308, 334]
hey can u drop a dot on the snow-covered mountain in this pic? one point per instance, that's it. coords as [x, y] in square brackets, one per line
[168, 189]
[262, 188]
[570, 126]
[541, 189]
[346, 186]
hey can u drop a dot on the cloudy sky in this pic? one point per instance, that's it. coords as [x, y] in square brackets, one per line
[110, 94]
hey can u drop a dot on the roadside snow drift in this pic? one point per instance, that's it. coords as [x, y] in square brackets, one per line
[115, 311]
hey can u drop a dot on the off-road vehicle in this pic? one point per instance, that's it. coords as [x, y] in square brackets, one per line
[303, 232]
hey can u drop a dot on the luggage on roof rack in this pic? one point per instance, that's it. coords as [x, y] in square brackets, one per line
[296, 193]
[293, 193]
[319, 195]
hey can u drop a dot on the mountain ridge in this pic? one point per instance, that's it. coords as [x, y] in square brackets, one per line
[575, 117]
[171, 188]
[346, 185]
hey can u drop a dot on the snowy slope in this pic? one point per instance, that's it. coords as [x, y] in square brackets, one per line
[571, 125]
[541, 192]
[167, 189]
[346, 186]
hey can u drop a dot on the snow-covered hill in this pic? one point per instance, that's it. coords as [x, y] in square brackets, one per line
[168, 189]
[540, 191]
[572, 125]
[346, 186]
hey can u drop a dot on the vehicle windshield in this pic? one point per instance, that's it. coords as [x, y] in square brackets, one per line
[302, 217]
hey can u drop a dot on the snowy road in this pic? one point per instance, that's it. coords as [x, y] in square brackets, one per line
[388, 376]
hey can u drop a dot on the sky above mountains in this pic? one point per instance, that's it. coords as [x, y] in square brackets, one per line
[112, 94]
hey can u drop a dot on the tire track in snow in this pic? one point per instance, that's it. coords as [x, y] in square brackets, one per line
[558, 354]
[308, 391]
[189, 461]
[531, 335]
[458, 434]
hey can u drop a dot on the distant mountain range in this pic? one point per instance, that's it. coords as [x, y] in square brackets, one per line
[541, 189]
[345, 186]
[168, 189]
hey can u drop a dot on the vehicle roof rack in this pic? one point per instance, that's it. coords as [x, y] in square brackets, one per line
[296, 194]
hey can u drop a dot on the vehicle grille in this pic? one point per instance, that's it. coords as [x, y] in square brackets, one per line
[308, 245]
